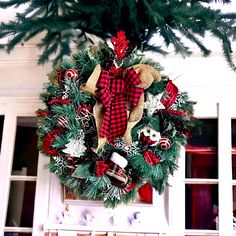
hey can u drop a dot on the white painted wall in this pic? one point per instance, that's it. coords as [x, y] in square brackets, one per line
[153, 217]
[21, 76]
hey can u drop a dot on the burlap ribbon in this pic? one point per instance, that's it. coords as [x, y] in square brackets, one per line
[147, 75]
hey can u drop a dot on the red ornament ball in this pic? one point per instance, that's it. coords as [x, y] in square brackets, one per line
[164, 143]
[71, 74]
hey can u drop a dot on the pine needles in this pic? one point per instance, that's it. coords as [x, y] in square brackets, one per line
[70, 24]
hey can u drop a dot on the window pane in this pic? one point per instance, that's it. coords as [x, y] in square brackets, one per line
[201, 206]
[26, 153]
[204, 134]
[201, 152]
[233, 125]
[21, 204]
[1, 129]
[201, 165]
[234, 165]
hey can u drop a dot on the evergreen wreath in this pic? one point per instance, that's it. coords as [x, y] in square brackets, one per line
[112, 123]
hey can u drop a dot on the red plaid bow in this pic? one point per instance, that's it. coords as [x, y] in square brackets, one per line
[114, 91]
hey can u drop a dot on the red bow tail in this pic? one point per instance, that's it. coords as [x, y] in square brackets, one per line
[151, 158]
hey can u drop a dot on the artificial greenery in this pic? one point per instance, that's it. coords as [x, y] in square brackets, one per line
[80, 173]
[67, 23]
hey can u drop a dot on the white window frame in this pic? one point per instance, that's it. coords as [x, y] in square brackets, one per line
[11, 108]
[224, 113]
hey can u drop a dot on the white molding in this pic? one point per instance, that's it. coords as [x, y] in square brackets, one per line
[7, 151]
[42, 196]
[225, 170]
[177, 199]
[23, 178]
[13, 108]
[98, 229]
[18, 229]
[202, 232]
[200, 181]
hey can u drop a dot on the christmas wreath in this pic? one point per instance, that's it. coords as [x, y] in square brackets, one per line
[112, 123]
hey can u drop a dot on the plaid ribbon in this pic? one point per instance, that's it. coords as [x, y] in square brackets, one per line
[170, 94]
[114, 91]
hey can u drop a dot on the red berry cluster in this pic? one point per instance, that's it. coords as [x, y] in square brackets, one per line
[120, 45]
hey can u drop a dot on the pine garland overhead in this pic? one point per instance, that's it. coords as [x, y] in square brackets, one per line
[67, 21]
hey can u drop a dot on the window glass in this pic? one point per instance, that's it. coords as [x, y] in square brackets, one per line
[21, 204]
[234, 207]
[201, 206]
[204, 134]
[201, 165]
[202, 162]
[26, 153]
[201, 152]
[1, 129]
[233, 125]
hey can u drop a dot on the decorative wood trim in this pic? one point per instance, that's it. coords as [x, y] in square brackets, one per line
[225, 193]
[18, 229]
[118, 230]
[200, 181]
[201, 232]
[69, 199]
[7, 151]
[23, 178]
[101, 234]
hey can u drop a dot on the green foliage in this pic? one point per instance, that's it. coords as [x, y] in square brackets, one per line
[68, 24]
[88, 173]
[94, 187]
[143, 169]
[140, 59]
[82, 171]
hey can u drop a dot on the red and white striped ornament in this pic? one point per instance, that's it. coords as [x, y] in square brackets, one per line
[62, 121]
[164, 143]
[71, 74]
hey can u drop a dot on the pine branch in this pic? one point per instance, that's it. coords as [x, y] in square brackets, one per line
[223, 1]
[171, 38]
[194, 39]
[65, 22]
[209, 1]
[10, 3]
